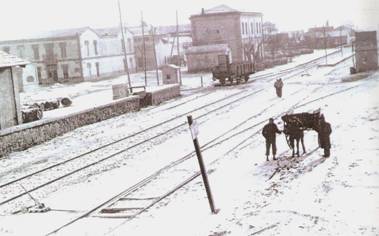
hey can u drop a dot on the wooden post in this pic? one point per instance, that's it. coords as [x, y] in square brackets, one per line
[202, 83]
[124, 46]
[155, 55]
[144, 47]
[201, 164]
[177, 47]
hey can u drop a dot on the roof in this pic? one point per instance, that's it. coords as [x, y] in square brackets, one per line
[170, 66]
[171, 29]
[207, 48]
[220, 9]
[8, 60]
[62, 33]
[110, 31]
[223, 9]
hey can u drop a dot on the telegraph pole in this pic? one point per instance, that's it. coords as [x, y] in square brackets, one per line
[144, 48]
[155, 55]
[325, 42]
[177, 47]
[124, 46]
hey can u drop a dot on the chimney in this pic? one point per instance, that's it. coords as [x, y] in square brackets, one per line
[202, 11]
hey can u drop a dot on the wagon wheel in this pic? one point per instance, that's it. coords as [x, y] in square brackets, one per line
[246, 78]
[222, 81]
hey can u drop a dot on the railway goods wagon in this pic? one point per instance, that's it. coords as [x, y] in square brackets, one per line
[232, 72]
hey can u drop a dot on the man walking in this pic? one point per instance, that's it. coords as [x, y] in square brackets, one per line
[324, 136]
[269, 132]
[278, 87]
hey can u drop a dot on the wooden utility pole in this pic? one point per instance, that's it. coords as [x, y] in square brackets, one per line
[194, 132]
[341, 40]
[155, 54]
[325, 42]
[144, 47]
[177, 47]
[124, 46]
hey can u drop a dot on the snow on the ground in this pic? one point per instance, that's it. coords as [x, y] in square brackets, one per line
[336, 196]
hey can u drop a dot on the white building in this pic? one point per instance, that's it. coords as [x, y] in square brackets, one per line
[73, 55]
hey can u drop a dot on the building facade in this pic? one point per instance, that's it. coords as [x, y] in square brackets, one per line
[366, 51]
[10, 74]
[241, 31]
[72, 55]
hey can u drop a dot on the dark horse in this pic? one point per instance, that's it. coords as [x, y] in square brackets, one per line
[294, 126]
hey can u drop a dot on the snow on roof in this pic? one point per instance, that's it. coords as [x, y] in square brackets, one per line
[8, 60]
[220, 9]
[61, 33]
[171, 29]
[207, 48]
[110, 31]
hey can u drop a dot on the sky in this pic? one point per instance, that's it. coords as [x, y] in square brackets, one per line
[22, 17]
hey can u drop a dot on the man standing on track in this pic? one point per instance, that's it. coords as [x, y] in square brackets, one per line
[269, 132]
[278, 87]
[324, 136]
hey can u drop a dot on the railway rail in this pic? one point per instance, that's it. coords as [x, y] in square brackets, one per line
[125, 194]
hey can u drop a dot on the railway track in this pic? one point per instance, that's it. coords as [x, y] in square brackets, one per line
[104, 208]
[238, 98]
[12, 182]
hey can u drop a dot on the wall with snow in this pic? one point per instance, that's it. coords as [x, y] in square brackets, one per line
[161, 95]
[27, 135]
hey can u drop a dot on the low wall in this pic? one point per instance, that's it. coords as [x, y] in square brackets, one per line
[164, 94]
[24, 136]
[27, 135]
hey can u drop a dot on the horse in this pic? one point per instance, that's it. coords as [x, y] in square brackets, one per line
[294, 126]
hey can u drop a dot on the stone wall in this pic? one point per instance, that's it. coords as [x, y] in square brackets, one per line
[161, 95]
[27, 135]
[21, 137]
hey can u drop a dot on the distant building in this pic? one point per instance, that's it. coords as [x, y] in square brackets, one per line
[202, 58]
[72, 55]
[366, 51]
[241, 31]
[10, 74]
[160, 44]
[328, 36]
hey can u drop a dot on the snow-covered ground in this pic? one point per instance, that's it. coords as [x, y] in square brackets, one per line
[309, 196]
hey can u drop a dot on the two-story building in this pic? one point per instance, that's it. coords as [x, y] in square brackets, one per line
[241, 31]
[72, 55]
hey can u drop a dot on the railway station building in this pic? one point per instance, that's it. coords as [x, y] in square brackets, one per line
[241, 31]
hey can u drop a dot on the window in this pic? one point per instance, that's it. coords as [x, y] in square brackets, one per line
[130, 45]
[122, 45]
[65, 71]
[95, 46]
[6, 49]
[20, 51]
[87, 46]
[30, 79]
[49, 47]
[63, 49]
[35, 51]
[98, 69]
[252, 28]
[131, 63]
[39, 72]
[243, 28]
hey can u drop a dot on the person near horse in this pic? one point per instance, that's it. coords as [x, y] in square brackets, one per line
[278, 87]
[269, 133]
[324, 136]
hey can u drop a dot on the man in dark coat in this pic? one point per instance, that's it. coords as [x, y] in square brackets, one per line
[278, 87]
[269, 132]
[324, 136]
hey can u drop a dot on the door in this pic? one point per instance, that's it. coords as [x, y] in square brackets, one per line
[52, 73]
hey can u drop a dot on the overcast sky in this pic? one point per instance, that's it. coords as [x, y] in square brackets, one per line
[19, 17]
